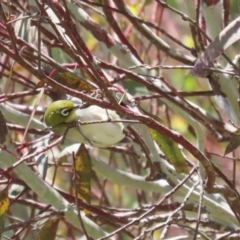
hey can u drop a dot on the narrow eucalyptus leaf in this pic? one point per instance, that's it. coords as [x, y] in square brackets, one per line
[3, 129]
[42, 164]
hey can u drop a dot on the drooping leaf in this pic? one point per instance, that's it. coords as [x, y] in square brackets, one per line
[227, 37]
[36, 104]
[80, 81]
[4, 201]
[83, 172]
[2, 224]
[3, 129]
[134, 87]
[42, 165]
[171, 151]
[29, 33]
[233, 144]
[48, 230]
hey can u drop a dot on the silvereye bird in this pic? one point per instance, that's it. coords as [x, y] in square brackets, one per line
[62, 113]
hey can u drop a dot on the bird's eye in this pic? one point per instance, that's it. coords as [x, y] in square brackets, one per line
[65, 112]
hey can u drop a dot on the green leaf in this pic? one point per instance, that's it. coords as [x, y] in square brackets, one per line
[2, 224]
[4, 201]
[233, 144]
[49, 230]
[148, 2]
[134, 87]
[83, 173]
[229, 35]
[3, 129]
[171, 151]
[74, 81]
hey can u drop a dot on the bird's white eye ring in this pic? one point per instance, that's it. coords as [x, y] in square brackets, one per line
[65, 112]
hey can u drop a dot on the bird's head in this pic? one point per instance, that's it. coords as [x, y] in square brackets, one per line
[61, 111]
